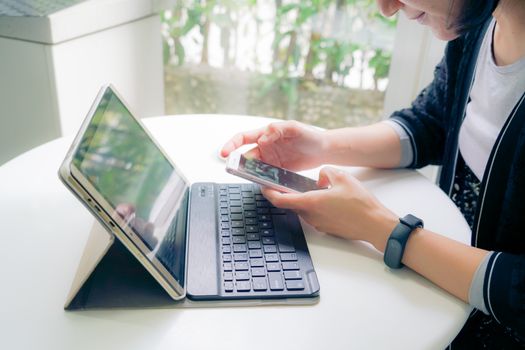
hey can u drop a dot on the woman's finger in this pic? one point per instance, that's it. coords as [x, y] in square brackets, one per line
[293, 201]
[240, 139]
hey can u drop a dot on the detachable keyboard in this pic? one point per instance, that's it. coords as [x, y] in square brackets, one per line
[257, 250]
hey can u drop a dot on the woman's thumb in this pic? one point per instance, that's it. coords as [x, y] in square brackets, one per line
[328, 177]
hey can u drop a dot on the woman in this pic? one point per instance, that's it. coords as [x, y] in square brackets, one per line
[471, 121]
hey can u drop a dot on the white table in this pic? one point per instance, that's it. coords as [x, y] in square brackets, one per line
[362, 305]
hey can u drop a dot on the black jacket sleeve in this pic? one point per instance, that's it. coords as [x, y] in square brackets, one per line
[504, 290]
[425, 121]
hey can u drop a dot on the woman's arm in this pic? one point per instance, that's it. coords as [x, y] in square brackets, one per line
[376, 146]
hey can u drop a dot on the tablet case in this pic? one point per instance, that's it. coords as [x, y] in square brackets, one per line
[109, 276]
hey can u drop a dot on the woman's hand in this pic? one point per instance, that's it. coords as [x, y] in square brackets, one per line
[344, 209]
[289, 145]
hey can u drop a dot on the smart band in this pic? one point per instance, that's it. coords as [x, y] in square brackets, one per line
[395, 246]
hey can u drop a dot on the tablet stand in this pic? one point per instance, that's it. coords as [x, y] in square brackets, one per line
[109, 276]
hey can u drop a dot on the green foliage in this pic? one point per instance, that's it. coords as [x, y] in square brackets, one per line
[303, 38]
[381, 63]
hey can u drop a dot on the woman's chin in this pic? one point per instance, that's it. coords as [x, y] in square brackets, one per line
[444, 34]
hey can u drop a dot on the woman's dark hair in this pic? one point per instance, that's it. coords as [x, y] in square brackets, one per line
[474, 13]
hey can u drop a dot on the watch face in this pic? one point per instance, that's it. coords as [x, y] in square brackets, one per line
[393, 254]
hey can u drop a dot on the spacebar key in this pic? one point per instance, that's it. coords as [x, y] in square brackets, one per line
[283, 235]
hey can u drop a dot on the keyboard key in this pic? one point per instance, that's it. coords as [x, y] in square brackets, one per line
[250, 207]
[225, 233]
[270, 249]
[238, 231]
[267, 232]
[252, 236]
[248, 200]
[238, 239]
[234, 196]
[292, 275]
[226, 240]
[256, 253]
[263, 204]
[237, 224]
[247, 187]
[226, 249]
[286, 248]
[257, 262]
[225, 225]
[241, 266]
[283, 235]
[251, 229]
[236, 217]
[254, 245]
[259, 284]
[242, 276]
[240, 257]
[234, 210]
[263, 210]
[258, 272]
[289, 265]
[234, 190]
[264, 217]
[265, 224]
[273, 267]
[259, 197]
[276, 281]
[239, 248]
[235, 203]
[228, 276]
[250, 214]
[243, 286]
[226, 257]
[247, 194]
[224, 204]
[227, 266]
[295, 284]
[223, 187]
[224, 211]
[268, 240]
[271, 257]
[233, 186]
[288, 257]
[228, 286]
[225, 218]
[250, 221]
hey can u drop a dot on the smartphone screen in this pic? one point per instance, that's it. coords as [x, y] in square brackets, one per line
[277, 175]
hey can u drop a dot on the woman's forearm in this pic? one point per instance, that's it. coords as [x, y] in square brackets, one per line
[375, 146]
[449, 264]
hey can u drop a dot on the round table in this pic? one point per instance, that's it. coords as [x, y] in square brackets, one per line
[363, 304]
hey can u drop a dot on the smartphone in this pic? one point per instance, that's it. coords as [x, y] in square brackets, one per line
[268, 175]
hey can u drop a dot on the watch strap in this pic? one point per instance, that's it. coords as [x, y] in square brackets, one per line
[395, 246]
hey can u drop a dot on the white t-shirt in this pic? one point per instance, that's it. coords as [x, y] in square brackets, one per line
[496, 90]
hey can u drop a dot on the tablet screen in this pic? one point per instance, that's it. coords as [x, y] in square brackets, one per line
[121, 161]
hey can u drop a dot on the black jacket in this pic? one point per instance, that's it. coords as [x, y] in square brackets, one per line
[433, 124]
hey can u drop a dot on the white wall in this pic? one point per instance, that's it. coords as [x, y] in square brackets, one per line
[416, 53]
[47, 90]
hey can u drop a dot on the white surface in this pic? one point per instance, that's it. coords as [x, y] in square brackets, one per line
[78, 20]
[363, 304]
[46, 90]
